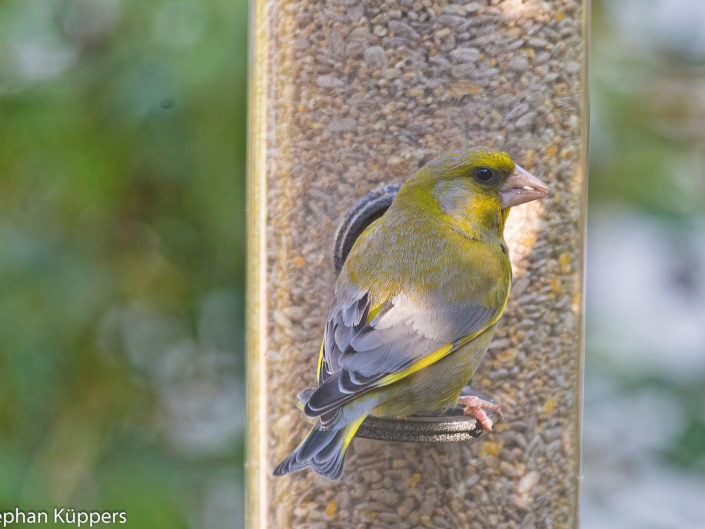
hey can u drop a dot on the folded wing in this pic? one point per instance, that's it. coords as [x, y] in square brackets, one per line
[372, 343]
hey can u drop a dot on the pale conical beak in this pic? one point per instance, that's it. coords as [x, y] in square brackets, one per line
[521, 187]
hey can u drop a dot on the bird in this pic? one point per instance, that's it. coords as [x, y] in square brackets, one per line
[416, 304]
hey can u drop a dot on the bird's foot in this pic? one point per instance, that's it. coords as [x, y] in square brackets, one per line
[476, 407]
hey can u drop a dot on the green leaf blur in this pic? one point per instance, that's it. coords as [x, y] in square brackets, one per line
[122, 125]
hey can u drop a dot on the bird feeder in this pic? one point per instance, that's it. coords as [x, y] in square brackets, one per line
[348, 99]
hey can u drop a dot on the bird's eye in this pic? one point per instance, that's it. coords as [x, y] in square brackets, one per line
[484, 175]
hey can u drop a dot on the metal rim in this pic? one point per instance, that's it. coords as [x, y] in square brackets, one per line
[365, 211]
[441, 429]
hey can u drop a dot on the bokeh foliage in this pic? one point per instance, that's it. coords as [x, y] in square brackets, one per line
[122, 125]
[647, 160]
[647, 140]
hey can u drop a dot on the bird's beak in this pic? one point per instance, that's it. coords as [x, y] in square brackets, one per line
[521, 187]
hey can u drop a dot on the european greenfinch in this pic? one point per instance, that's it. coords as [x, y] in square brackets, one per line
[416, 303]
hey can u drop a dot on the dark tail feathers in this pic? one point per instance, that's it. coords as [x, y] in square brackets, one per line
[322, 450]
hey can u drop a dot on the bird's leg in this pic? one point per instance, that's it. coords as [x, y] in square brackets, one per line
[474, 406]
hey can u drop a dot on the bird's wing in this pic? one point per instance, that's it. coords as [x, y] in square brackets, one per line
[372, 343]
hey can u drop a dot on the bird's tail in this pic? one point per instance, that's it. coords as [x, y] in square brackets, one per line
[322, 450]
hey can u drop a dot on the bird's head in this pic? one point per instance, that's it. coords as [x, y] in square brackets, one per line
[483, 175]
[475, 187]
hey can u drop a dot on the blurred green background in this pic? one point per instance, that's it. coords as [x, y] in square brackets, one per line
[122, 146]
[122, 232]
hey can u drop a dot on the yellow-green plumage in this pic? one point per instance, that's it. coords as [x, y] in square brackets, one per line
[415, 304]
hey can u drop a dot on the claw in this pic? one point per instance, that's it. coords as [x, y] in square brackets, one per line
[476, 407]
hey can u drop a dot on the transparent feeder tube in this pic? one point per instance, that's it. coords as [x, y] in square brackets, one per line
[346, 96]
